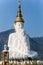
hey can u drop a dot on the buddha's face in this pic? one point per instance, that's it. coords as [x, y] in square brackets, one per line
[18, 25]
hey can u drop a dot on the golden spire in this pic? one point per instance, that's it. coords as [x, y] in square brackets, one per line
[19, 15]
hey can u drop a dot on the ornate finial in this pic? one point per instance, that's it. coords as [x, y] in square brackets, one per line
[19, 15]
[19, 9]
[5, 47]
[19, 2]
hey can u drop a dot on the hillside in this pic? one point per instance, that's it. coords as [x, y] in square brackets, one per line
[36, 44]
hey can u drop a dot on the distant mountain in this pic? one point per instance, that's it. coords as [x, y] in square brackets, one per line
[36, 44]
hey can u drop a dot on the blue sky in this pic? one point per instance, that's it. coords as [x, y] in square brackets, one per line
[32, 11]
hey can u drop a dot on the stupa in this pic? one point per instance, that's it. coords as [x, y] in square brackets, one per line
[18, 42]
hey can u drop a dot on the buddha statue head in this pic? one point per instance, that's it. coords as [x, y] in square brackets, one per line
[19, 22]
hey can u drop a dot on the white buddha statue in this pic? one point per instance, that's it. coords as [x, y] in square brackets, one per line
[18, 42]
